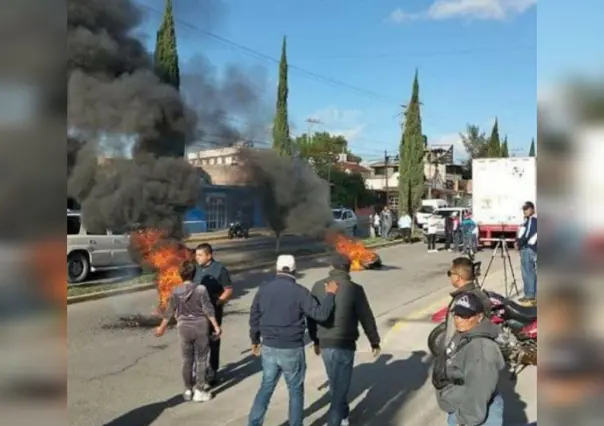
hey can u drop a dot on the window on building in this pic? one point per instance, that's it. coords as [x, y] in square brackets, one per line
[216, 212]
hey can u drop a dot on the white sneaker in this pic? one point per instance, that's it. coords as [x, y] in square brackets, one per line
[201, 396]
[345, 422]
[187, 395]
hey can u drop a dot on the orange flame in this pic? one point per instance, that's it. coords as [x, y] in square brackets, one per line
[355, 250]
[165, 256]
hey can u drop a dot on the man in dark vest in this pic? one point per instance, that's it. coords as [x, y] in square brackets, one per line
[216, 279]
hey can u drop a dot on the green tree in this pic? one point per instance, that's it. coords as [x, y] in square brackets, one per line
[166, 54]
[504, 148]
[411, 154]
[494, 146]
[321, 148]
[347, 189]
[282, 142]
[532, 148]
[475, 143]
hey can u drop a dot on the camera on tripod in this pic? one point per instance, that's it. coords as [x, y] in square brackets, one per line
[476, 269]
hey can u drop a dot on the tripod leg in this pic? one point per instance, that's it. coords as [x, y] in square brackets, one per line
[514, 284]
[505, 269]
[486, 272]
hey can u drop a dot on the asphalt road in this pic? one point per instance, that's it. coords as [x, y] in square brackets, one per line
[127, 377]
[257, 248]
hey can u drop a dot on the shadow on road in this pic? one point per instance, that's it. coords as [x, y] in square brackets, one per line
[388, 385]
[147, 414]
[514, 412]
[234, 373]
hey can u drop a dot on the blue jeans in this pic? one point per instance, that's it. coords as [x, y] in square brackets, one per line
[528, 265]
[494, 415]
[338, 366]
[292, 364]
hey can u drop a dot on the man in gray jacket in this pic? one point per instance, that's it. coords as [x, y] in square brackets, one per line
[335, 339]
[465, 376]
[386, 219]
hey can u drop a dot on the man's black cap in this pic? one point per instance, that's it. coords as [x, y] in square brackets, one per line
[528, 205]
[467, 305]
[340, 262]
[572, 357]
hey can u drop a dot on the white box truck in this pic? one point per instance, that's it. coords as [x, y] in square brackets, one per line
[500, 186]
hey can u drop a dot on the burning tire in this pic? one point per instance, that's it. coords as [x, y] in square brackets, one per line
[375, 263]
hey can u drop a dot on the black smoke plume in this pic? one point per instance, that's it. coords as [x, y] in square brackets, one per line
[130, 169]
[294, 197]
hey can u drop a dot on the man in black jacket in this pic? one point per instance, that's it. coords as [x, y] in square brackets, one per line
[335, 339]
[214, 276]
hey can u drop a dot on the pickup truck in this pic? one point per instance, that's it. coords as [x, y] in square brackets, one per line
[89, 252]
[439, 216]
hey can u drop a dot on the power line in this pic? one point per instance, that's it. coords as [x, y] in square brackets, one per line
[257, 54]
[416, 54]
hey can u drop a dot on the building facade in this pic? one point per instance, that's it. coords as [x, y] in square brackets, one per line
[443, 179]
[349, 165]
[222, 166]
[221, 205]
[227, 193]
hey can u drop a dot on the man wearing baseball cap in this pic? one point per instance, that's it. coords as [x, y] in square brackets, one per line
[335, 339]
[465, 376]
[278, 323]
[527, 245]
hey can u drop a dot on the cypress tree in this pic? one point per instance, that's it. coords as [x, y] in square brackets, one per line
[281, 140]
[494, 149]
[411, 154]
[166, 54]
[532, 148]
[505, 153]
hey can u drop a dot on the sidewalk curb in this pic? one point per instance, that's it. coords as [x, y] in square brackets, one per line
[234, 270]
[215, 238]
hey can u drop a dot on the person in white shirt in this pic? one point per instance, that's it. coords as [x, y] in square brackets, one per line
[404, 226]
[377, 224]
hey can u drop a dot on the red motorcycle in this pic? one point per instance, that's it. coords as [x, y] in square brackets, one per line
[518, 338]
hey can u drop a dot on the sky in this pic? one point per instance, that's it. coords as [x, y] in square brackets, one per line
[352, 62]
[575, 51]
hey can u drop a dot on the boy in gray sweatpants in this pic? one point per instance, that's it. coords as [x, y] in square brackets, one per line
[193, 309]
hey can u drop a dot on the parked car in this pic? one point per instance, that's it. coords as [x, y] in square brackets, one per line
[439, 216]
[426, 210]
[93, 251]
[346, 219]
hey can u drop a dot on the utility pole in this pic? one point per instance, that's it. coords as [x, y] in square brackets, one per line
[386, 158]
[311, 122]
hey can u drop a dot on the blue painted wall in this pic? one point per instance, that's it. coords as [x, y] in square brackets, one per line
[231, 199]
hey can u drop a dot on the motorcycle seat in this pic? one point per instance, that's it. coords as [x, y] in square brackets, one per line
[520, 313]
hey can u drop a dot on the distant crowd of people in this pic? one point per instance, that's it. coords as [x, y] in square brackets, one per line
[460, 233]
[382, 224]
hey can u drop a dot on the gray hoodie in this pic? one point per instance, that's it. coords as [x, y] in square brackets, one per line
[478, 364]
[190, 302]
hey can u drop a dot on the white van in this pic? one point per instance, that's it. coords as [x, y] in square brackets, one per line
[425, 211]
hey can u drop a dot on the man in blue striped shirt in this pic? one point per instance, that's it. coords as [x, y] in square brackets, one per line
[527, 244]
